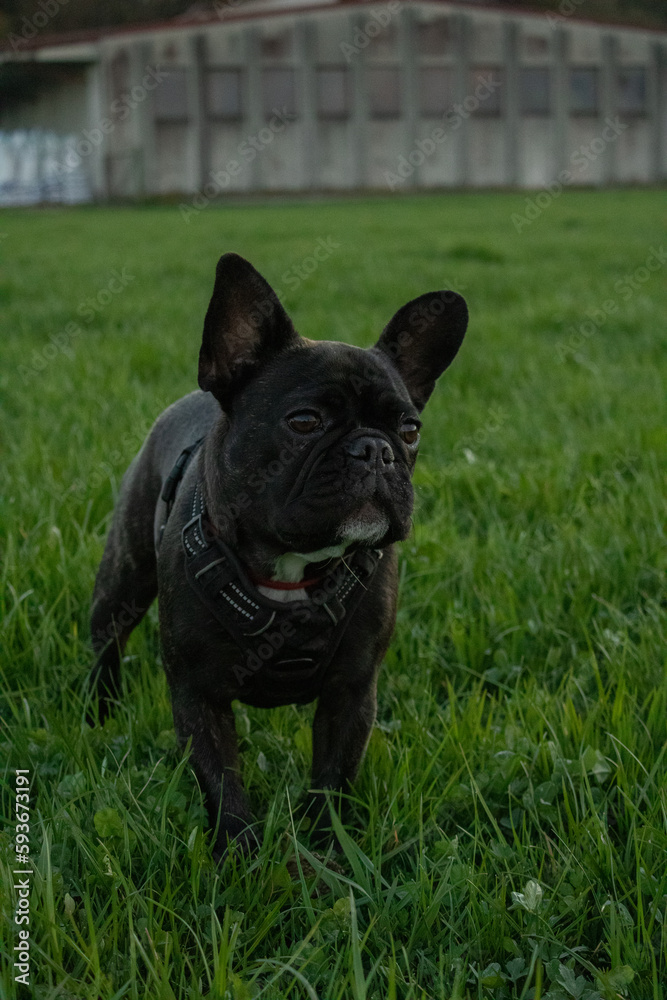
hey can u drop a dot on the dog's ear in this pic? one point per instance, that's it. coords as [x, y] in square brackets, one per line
[245, 325]
[422, 340]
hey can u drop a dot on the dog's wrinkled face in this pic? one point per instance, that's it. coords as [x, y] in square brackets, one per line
[322, 437]
[331, 435]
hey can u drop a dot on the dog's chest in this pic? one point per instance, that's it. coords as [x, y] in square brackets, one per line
[284, 648]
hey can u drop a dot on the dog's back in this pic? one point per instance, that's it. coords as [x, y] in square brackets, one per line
[126, 582]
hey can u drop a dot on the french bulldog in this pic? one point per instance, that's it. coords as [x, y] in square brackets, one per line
[262, 510]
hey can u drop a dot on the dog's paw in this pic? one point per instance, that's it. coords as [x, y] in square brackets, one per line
[318, 827]
[236, 842]
[321, 837]
[295, 869]
[100, 692]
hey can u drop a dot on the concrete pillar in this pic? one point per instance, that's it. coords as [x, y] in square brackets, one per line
[656, 111]
[359, 118]
[197, 101]
[560, 100]
[511, 103]
[462, 33]
[608, 103]
[409, 69]
[106, 100]
[254, 119]
[147, 124]
[97, 110]
[306, 48]
[132, 150]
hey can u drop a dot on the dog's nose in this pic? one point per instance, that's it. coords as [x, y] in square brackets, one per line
[370, 450]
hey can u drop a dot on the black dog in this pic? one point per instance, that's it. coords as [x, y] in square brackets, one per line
[263, 511]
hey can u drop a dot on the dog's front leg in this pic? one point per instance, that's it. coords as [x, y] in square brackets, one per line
[215, 759]
[341, 730]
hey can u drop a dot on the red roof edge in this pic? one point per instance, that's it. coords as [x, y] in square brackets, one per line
[245, 12]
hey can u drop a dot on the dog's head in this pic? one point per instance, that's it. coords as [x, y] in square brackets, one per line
[321, 437]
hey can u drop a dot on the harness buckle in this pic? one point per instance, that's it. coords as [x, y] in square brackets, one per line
[209, 566]
[192, 535]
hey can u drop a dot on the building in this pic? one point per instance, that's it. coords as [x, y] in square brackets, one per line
[290, 95]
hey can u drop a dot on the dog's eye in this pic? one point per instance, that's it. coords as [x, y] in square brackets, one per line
[304, 423]
[409, 432]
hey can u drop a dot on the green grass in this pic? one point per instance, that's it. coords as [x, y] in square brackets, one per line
[507, 834]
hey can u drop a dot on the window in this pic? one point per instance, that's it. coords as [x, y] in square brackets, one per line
[486, 42]
[382, 39]
[534, 46]
[483, 97]
[277, 45]
[224, 94]
[535, 91]
[384, 92]
[171, 97]
[631, 83]
[434, 38]
[436, 91]
[333, 92]
[584, 91]
[278, 91]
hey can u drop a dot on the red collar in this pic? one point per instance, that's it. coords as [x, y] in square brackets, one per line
[261, 581]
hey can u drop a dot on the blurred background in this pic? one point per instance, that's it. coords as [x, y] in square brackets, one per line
[158, 98]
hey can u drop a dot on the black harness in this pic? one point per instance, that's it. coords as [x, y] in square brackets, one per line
[284, 648]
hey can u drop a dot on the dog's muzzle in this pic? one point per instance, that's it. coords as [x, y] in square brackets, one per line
[369, 449]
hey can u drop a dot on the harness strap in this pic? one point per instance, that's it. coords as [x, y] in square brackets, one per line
[172, 481]
[295, 641]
